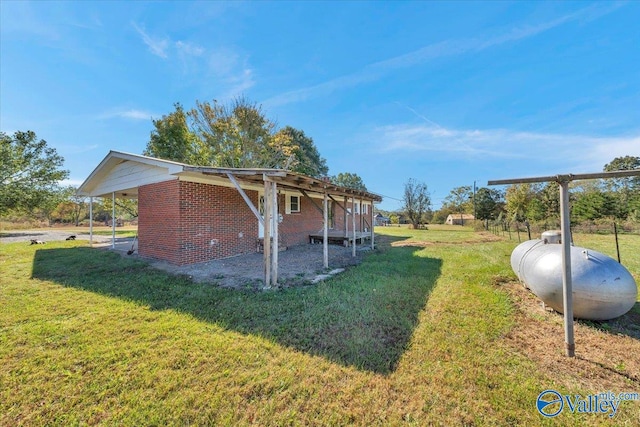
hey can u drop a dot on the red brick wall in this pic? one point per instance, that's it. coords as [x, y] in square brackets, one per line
[159, 221]
[186, 222]
[296, 226]
[216, 223]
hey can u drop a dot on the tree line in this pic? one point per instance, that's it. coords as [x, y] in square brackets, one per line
[591, 200]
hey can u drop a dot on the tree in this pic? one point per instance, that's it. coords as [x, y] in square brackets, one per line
[518, 197]
[417, 201]
[29, 171]
[349, 180]
[489, 203]
[173, 140]
[305, 157]
[626, 191]
[239, 135]
[235, 135]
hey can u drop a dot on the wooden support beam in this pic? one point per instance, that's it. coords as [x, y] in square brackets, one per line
[353, 222]
[304, 193]
[267, 235]
[372, 225]
[275, 248]
[245, 197]
[325, 232]
[346, 223]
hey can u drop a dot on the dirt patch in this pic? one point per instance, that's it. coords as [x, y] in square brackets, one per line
[484, 237]
[607, 353]
[298, 265]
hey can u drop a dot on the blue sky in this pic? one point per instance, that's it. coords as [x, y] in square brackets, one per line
[447, 93]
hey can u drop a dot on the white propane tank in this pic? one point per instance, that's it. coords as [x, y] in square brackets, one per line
[602, 288]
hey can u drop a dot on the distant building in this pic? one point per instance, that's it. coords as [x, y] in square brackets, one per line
[459, 219]
[381, 220]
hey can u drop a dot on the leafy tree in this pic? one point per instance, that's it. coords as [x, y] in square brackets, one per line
[626, 190]
[305, 157]
[173, 140]
[349, 180]
[592, 204]
[29, 171]
[518, 198]
[489, 203]
[239, 135]
[233, 135]
[417, 201]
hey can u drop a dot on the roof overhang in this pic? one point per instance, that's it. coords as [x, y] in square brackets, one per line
[123, 173]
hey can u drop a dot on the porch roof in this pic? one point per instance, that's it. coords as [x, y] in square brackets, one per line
[122, 173]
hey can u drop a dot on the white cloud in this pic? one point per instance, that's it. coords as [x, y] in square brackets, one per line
[231, 69]
[432, 51]
[575, 151]
[132, 114]
[157, 46]
[229, 72]
[186, 48]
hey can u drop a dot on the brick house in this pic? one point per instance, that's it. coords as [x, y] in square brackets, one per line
[190, 214]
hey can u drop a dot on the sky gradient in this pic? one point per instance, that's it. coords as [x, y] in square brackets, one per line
[447, 93]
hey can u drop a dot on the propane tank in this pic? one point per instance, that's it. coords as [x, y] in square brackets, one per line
[602, 288]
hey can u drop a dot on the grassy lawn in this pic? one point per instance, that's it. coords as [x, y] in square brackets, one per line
[417, 334]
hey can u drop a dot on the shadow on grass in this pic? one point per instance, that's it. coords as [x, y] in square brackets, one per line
[363, 318]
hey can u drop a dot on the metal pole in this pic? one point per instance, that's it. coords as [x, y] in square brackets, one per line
[567, 291]
[615, 231]
[91, 221]
[113, 220]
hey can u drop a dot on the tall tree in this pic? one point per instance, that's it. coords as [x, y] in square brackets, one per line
[417, 201]
[489, 203]
[239, 135]
[518, 198]
[349, 180]
[173, 140]
[305, 158]
[29, 171]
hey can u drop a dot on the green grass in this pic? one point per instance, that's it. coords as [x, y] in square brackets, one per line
[414, 335]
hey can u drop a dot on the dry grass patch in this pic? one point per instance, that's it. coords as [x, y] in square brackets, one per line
[607, 353]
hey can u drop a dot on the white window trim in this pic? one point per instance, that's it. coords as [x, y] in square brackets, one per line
[288, 208]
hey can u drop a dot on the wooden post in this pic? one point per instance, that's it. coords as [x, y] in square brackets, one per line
[274, 251]
[266, 246]
[91, 221]
[353, 223]
[346, 223]
[325, 232]
[372, 225]
[567, 285]
[113, 220]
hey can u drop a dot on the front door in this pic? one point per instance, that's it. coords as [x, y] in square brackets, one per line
[261, 210]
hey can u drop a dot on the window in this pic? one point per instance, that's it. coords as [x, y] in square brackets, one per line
[365, 209]
[292, 204]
